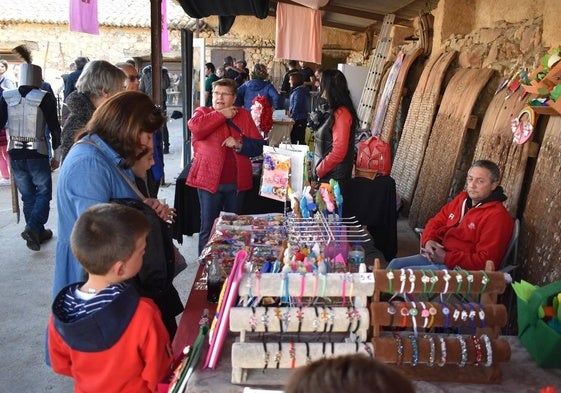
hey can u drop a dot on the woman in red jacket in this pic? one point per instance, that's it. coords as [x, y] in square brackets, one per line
[334, 152]
[224, 137]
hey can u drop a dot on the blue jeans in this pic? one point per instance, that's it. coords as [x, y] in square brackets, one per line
[226, 198]
[34, 182]
[415, 262]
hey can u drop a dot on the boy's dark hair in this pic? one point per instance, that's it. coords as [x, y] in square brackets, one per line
[297, 79]
[106, 233]
[211, 67]
[81, 62]
[293, 63]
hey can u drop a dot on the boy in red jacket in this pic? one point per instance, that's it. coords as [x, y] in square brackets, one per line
[472, 229]
[101, 332]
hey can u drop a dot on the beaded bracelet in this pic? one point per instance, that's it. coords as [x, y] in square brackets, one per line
[488, 349]
[399, 345]
[253, 320]
[265, 319]
[446, 277]
[478, 350]
[425, 280]
[432, 349]
[292, 354]
[412, 280]
[390, 277]
[402, 278]
[484, 282]
[265, 357]
[463, 350]
[443, 354]
[278, 355]
[433, 280]
[415, 347]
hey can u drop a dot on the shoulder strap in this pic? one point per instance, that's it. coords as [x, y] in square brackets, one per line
[233, 125]
[119, 169]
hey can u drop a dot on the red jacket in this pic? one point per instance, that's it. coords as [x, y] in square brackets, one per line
[134, 364]
[209, 130]
[483, 233]
[341, 132]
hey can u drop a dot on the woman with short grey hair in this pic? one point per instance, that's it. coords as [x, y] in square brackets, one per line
[99, 81]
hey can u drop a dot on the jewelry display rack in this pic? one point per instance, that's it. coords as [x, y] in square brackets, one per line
[314, 315]
[411, 346]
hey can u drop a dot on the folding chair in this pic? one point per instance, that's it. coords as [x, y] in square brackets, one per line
[509, 266]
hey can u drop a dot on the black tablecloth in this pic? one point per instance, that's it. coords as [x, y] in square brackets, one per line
[188, 220]
[373, 202]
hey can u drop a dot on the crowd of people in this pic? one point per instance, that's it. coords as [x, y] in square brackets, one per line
[115, 259]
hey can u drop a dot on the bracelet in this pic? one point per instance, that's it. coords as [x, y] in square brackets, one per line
[412, 280]
[488, 349]
[425, 280]
[432, 349]
[478, 351]
[265, 319]
[315, 287]
[402, 278]
[278, 355]
[443, 354]
[481, 315]
[352, 314]
[446, 313]
[390, 277]
[425, 314]
[285, 284]
[446, 277]
[332, 349]
[258, 284]
[292, 354]
[404, 313]
[463, 349]
[415, 347]
[253, 320]
[368, 350]
[343, 289]
[456, 315]
[265, 357]
[459, 280]
[300, 318]
[351, 279]
[464, 315]
[399, 345]
[484, 282]
[308, 358]
[302, 287]
[433, 280]
[471, 316]
[279, 317]
[315, 322]
[469, 279]
[432, 311]
[391, 311]
[286, 319]
[413, 313]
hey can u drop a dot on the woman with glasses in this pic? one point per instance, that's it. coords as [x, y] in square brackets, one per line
[99, 81]
[224, 137]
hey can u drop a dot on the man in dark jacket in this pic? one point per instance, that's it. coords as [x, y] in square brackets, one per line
[70, 82]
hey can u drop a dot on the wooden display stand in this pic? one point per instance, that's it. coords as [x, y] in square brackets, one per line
[291, 335]
[430, 365]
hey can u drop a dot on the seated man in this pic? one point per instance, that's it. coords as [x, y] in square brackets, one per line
[472, 229]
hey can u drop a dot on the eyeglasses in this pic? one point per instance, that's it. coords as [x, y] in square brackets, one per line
[133, 78]
[221, 94]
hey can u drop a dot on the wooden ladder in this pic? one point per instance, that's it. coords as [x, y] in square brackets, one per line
[371, 86]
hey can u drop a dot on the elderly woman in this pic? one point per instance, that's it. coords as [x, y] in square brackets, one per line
[98, 169]
[257, 86]
[224, 137]
[99, 81]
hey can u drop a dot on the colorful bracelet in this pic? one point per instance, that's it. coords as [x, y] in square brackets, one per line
[404, 313]
[433, 280]
[446, 277]
[412, 280]
[390, 277]
[459, 281]
[484, 282]
[399, 345]
[413, 311]
[471, 316]
[425, 280]
[415, 347]
[432, 311]
[343, 289]
[443, 354]
[446, 313]
[478, 350]
[463, 350]
[469, 279]
[488, 349]
[391, 310]
[292, 354]
[425, 314]
[481, 315]
[432, 349]
[402, 278]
